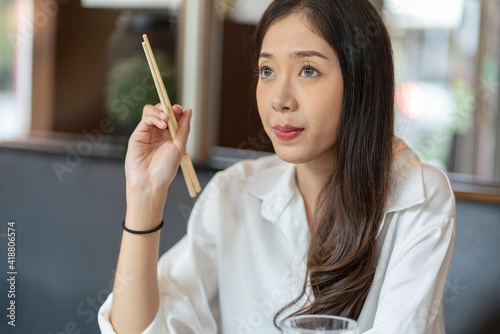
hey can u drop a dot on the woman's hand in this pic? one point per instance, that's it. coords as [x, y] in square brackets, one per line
[153, 158]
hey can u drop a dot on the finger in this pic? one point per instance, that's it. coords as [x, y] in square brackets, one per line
[178, 111]
[183, 130]
[149, 110]
[155, 121]
[159, 106]
[163, 116]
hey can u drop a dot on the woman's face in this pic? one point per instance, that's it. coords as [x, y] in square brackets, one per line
[299, 92]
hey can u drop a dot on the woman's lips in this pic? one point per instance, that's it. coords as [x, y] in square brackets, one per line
[287, 132]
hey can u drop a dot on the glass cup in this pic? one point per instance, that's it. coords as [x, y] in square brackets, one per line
[319, 324]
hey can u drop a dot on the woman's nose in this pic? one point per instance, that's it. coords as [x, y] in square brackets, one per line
[284, 98]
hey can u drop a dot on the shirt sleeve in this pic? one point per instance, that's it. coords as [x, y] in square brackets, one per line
[187, 277]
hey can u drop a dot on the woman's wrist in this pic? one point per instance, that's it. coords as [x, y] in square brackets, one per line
[144, 209]
[141, 220]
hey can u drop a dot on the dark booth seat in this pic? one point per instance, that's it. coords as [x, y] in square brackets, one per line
[471, 300]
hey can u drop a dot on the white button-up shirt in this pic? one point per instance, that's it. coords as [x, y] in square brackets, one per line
[244, 254]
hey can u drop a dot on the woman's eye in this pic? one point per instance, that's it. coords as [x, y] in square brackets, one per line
[266, 72]
[309, 72]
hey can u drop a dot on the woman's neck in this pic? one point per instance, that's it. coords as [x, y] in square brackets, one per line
[311, 178]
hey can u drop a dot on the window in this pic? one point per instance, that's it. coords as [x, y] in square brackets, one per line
[446, 57]
[15, 67]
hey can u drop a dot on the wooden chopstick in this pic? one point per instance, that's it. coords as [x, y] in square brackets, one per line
[187, 168]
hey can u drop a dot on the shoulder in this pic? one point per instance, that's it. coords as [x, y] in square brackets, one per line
[421, 200]
[430, 223]
[418, 185]
[438, 193]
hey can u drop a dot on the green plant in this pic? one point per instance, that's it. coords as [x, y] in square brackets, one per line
[130, 86]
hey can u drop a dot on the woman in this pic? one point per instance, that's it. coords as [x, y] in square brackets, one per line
[345, 220]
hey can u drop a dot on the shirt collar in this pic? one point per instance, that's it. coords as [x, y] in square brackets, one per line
[276, 185]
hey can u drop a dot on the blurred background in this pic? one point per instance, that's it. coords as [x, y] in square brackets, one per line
[67, 65]
[74, 79]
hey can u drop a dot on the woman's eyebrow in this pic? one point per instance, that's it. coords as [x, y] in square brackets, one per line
[265, 55]
[297, 54]
[304, 54]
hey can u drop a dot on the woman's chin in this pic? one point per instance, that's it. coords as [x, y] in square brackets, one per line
[291, 156]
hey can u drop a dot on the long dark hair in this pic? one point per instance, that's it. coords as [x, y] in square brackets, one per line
[342, 255]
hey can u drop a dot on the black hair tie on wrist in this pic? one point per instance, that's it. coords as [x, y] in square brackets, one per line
[142, 232]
